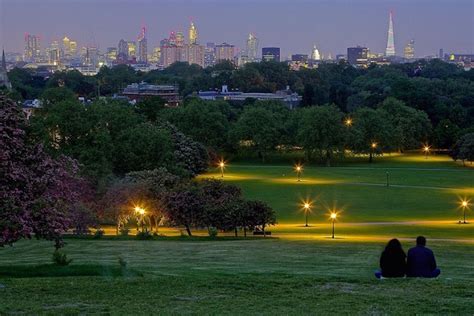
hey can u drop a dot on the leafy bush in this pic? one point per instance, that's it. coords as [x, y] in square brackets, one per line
[98, 233]
[60, 258]
[212, 231]
[144, 235]
[124, 231]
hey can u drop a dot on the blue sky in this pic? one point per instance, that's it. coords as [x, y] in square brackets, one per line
[293, 25]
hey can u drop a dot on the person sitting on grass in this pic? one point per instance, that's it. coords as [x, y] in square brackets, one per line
[421, 261]
[392, 261]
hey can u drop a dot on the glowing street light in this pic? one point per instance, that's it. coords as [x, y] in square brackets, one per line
[141, 220]
[139, 210]
[348, 122]
[222, 166]
[333, 217]
[426, 150]
[298, 170]
[373, 146]
[465, 204]
[307, 209]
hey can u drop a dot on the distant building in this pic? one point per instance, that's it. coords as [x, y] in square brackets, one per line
[195, 54]
[441, 54]
[358, 56]
[409, 51]
[271, 54]
[111, 55]
[32, 48]
[390, 50]
[143, 47]
[464, 60]
[303, 58]
[122, 52]
[140, 91]
[252, 48]
[315, 55]
[210, 55]
[288, 97]
[4, 82]
[225, 51]
[193, 34]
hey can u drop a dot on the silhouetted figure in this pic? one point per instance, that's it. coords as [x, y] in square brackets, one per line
[421, 261]
[392, 261]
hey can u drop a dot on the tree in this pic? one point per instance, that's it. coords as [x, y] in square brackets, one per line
[370, 132]
[464, 148]
[257, 128]
[411, 127]
[185, 207]
[37, 193]
[322, 132]
[260, 215]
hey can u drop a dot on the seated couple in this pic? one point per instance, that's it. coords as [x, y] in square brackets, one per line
[420, 262]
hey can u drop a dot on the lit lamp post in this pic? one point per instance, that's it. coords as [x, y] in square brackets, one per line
[348, 122]
[141, 212]
[222, 166]
[307, 210]
[373, 146]
[298, 170]
[333, 217]
[426, 150]
[464, 205]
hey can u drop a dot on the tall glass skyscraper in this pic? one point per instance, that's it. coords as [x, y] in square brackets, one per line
[390, 50]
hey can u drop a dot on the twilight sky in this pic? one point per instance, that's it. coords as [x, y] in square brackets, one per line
[293, 25]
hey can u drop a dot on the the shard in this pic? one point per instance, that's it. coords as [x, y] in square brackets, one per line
[390, 50]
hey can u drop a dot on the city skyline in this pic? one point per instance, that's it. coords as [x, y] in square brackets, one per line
[434, 25]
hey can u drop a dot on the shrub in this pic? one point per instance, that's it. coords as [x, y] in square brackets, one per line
[98, 233]
[124, 231]
[60, 258]
[212, 231]
[144, 235]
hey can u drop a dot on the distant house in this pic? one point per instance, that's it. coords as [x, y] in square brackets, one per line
[288, 97]
[30, 106]
[139, 91]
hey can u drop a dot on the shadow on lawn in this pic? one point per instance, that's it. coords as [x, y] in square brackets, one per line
[52, 270]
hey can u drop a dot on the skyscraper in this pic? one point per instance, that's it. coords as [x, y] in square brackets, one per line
[390, 50]
[193, 34]
[179, 39]
[357, 56]
[252, 47]
[142, 47]
[32, 48]
[225, 51]
[271, 54]
[132, 49]
[409, 50]
[122, 52]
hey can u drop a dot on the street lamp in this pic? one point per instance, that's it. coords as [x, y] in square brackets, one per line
[465, 205]
[307, 209]
[333, 217]
[298, 170]
[141, 213]
[222, 166]
[372, 146]
[348, 122]
[426, 150]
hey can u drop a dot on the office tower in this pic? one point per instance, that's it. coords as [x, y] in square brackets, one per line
[315, 55]
[4, 82]
[409, 51]
[69, 47]
[252, 47]
[111, 55]
[195, 54]
[172, 39]
[441, 54]
[225, 51]
[122, 52]
[132, 49]
[156, 55]
[390, 50]
[210, 55]
[179, 39]
[301, 58]
[32, 48]
[143, 47]
[357, 56]
[91, 57]
[193, 34]
[271, 54]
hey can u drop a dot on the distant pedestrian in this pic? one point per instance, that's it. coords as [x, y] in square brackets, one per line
[392, 261]
[421, 261]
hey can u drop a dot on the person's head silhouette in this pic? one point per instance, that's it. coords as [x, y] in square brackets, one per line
[420, 241]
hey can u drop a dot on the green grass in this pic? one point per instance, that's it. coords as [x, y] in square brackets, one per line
[301, 271]
[273, 276]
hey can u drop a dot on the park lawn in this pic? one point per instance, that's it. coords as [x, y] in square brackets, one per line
[262, 276]
[419, 189]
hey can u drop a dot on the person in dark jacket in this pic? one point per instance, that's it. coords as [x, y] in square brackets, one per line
[392, 261]
[421, 261]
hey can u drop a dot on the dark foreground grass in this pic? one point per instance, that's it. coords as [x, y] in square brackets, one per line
[235, 277]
